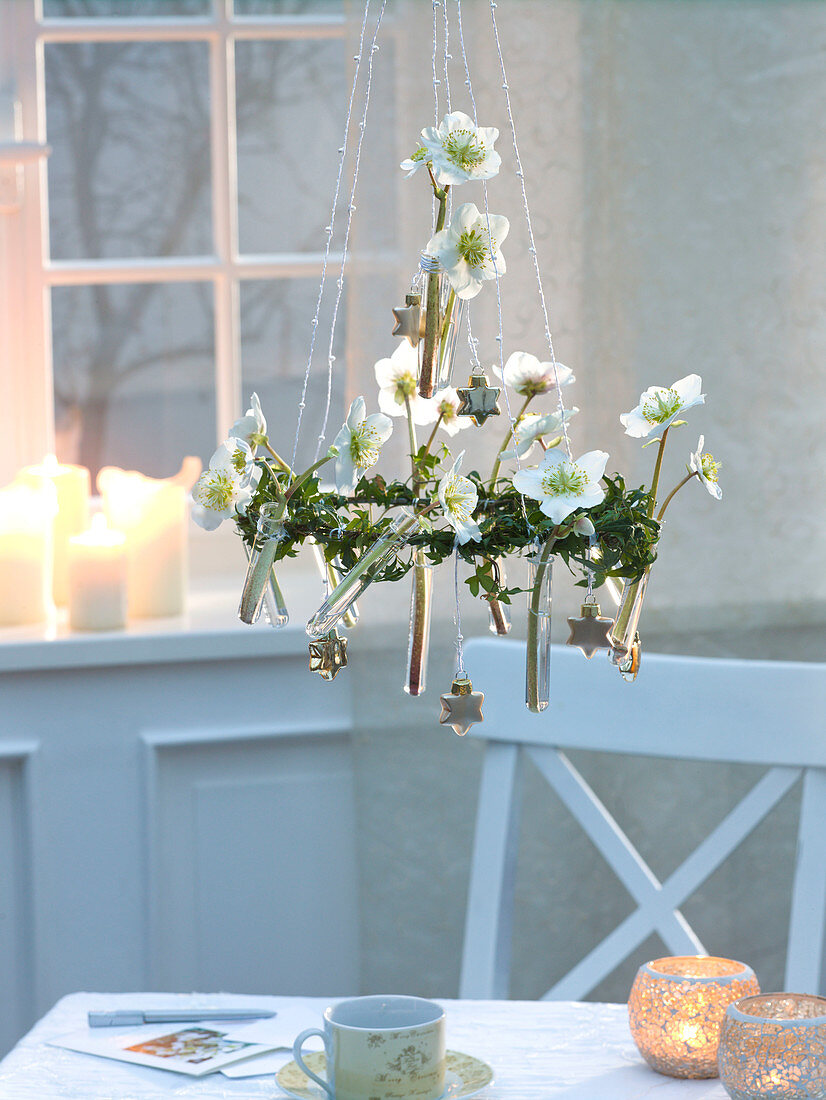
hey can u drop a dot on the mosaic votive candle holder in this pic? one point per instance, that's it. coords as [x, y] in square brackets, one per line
[773, 1047]
[676, 1008]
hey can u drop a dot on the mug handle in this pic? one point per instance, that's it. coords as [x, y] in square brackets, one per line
[298, 1044]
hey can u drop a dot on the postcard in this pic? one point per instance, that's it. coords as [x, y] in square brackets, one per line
[195, 1049]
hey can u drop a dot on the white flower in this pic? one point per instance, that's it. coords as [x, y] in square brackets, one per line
[252, 427]
[524, 373]
[467, 251]
[458, 498]
[659, 406]
[415, 161]
[398, 377]
[706, 469]
[461, 151]
[227, 487]
[532, 427]
[446, 403]
[357, 445]
[561, 485]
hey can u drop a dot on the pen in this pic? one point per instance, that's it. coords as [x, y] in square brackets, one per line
[133, 1017]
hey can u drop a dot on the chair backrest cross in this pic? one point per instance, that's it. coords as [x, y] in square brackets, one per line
[753, 712]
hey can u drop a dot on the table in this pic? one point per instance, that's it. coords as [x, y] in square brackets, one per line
[538, 1049]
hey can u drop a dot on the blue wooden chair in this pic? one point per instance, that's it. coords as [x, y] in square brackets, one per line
[754, 712]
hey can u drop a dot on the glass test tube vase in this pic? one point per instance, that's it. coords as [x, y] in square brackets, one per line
[331, 574]
[418, 647]
[499, 614]
[538, 659]
[443, 320]
[261, 586]
[344, 595]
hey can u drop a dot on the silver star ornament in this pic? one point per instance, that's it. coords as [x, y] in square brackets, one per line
[328, 655]
[590, 632]
[461, 706]
[478, 399]
[409, 319]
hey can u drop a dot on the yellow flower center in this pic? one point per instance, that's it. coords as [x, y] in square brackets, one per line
[564, 479]
[447, 412]
[460, 497]
[475, 246]
[216, 490]
[661, 406]
[405, 386]
[709, 468]
[365, 445]
[465, 149]
[239, 460]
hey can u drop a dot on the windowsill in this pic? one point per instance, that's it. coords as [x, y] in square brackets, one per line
[209, 630]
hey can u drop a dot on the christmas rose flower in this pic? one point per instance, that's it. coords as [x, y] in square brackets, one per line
[466, 251]
[398, 377]
[706, 469]
[446, 404]
[358, 444]
[227, 487]
[524, 373]
[458, 498]
[660, 406]
[533, 427]
[252, 427]
[460, 150]
[418, 159]
[562, 485]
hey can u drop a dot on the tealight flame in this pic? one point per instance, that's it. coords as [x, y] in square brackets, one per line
[99, 525]
[50, 465]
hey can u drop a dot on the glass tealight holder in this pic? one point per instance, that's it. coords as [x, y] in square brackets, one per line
[773, 1047]
[677, 1006]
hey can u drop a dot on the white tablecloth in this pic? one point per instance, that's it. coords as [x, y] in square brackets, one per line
[538, 1049]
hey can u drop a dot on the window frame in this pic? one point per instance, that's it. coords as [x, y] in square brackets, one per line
[26, 267]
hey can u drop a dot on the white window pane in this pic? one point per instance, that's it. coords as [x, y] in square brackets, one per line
[129, 173]
[291, 109]
[288, 7]
[134, 375]
[275, 329]
[90, 9]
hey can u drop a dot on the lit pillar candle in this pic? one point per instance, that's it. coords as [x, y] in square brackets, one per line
[152, 514]
[97, 578]
[26, 518]
[72, 487]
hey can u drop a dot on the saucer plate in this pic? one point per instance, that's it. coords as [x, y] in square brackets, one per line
[464, 1076]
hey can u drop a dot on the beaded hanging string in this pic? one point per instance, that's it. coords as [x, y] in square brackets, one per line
[532, 249]
[457, 617]
[350, 210]
[329, 231]
[477, 367]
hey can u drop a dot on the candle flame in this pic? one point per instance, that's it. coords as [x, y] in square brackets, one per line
[99, 524]
[50, 464]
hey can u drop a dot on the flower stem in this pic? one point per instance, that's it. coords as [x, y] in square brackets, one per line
[655, 481]
[299, 481]
[674, 492]
[432, 435]
[411, 435]
[532, 669]
[507, 439]
[278, 459]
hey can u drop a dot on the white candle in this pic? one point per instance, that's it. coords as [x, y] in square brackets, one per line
[26, 518]
[152, 514]
[97, 578]
[72, 487]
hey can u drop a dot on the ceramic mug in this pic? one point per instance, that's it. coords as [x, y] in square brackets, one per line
[381, 1048]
